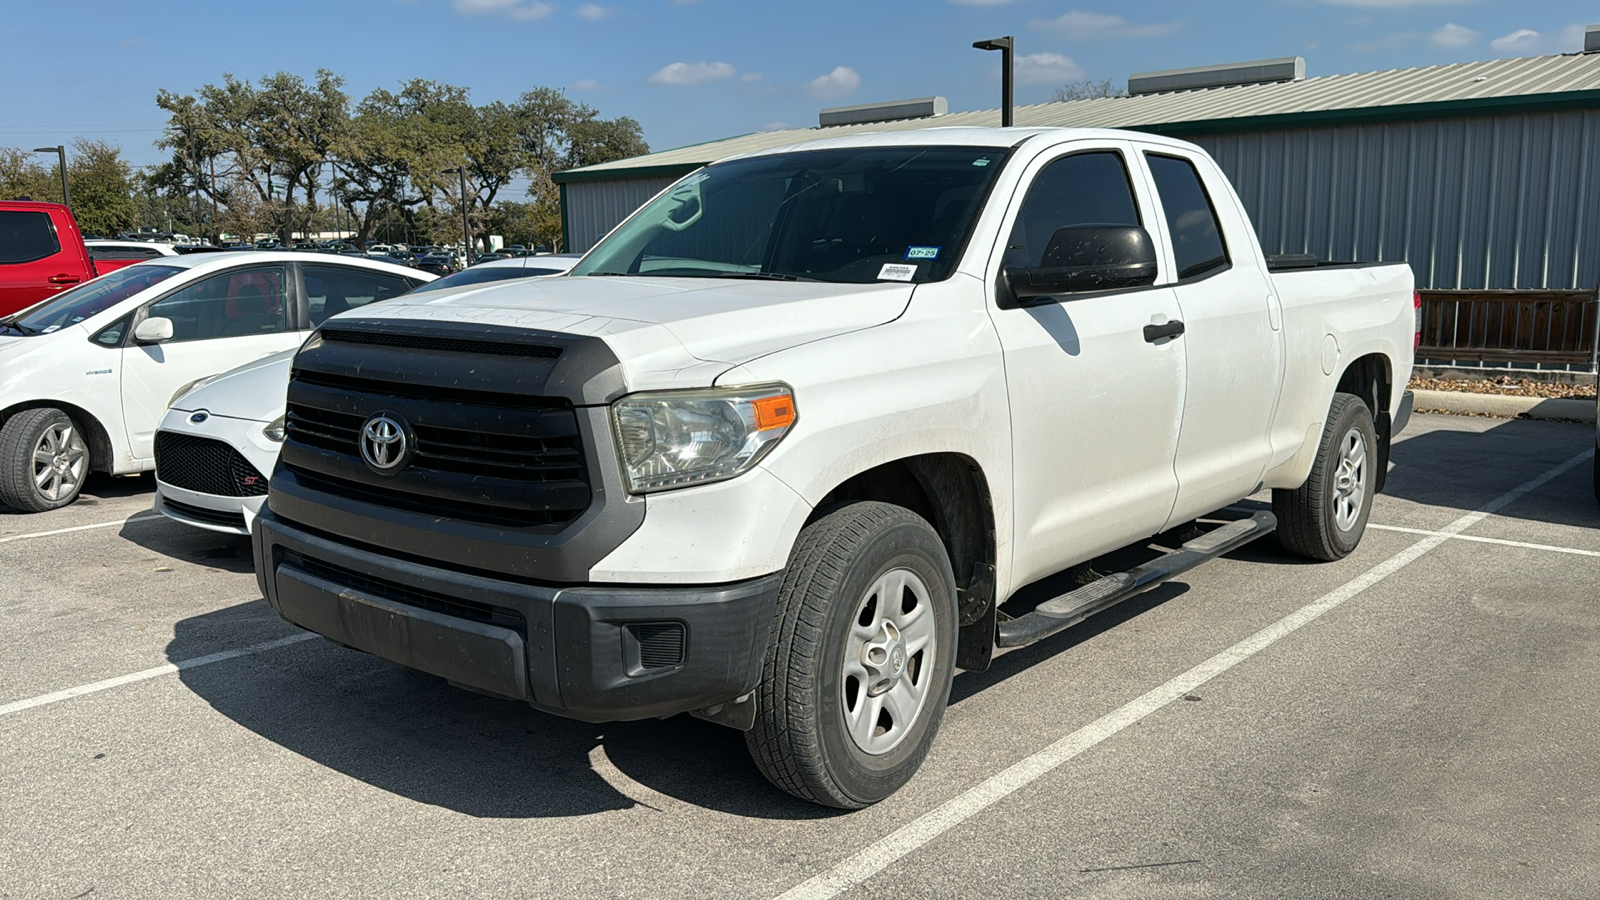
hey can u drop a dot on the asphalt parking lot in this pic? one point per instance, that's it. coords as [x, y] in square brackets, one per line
[1419, 720]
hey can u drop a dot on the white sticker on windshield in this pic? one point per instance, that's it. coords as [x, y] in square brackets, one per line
[897, 272]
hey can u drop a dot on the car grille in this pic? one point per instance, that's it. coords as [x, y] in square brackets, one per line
[201, 514]
[423, 598]
[498, 459]
[206, 466]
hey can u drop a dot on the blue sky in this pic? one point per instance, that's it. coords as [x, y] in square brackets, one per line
[697, 70]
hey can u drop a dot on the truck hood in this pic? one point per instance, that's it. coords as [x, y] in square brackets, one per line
[714, 320]
[256, 391]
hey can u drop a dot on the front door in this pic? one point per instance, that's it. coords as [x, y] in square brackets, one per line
[1095, 407]
[218, 323]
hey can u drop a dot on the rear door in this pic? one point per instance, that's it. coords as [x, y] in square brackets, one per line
[37, 260]
[219, 322]
[1095, 407]
[1232, 338]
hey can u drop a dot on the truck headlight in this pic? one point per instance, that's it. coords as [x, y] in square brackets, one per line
[670, 439]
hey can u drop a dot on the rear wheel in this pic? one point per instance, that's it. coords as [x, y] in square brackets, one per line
[43, 460]
[858, 666]
[1325, 517]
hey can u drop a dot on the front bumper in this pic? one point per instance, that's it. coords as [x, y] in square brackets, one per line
[229, 515]
[594, 653]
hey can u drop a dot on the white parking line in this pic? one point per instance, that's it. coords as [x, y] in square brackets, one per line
[40, 534]
[881, 854]
[1489, 540]
[17, 706]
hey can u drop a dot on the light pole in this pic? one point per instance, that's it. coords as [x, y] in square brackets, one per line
[466, 227]
[60, 151]
[1003, 44]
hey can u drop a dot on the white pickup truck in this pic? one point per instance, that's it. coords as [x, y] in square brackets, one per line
[780, 448]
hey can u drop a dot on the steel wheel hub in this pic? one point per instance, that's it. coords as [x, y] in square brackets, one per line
[887, 661]
[1350, 480]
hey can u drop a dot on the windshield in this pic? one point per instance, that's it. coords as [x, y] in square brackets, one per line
[483, 275]
[91, 298]
[856, 215]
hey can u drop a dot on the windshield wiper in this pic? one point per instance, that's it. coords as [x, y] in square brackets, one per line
[618, 274]
[766, 276]
[19, 328]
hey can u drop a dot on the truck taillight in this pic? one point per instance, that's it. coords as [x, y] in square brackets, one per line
[1416, 320]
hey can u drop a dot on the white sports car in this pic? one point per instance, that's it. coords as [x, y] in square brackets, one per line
[216, 447]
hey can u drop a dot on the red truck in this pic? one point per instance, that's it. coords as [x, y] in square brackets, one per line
[41, 253]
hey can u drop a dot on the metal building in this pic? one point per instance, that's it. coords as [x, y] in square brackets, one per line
[1484, 176]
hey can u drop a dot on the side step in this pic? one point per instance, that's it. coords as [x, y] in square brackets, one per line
[1067, 610]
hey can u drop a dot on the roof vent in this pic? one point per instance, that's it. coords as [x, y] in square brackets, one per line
[893, 111]
[1591, 39]
[1264, 71]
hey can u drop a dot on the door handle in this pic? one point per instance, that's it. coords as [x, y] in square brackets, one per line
[63, 279]
[1153, 333]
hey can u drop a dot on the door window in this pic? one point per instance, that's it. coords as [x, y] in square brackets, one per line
[1191, 219]
[233, 304]
[26, 237]
[331, 290]
[1082, 189]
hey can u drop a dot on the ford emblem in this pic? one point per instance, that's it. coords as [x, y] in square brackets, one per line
[199, 417]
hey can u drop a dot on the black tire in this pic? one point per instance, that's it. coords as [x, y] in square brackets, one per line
[20, 440]
[801, 741]
[1309, 517]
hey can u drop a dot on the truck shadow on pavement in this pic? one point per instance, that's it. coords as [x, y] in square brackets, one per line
[417, 737]
[1459, 467]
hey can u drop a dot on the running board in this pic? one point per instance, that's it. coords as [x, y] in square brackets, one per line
[1067, 610]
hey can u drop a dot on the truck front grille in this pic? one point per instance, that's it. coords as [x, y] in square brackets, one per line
[501, 459]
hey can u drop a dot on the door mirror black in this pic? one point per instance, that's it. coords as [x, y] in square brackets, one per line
[1085, 258]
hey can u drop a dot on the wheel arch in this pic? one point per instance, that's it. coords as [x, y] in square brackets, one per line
[1371, 378]
[99, 440]
[950, 491]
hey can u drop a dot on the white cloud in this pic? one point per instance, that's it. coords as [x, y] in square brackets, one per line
[1047, 68]
[1084, 26]
[750, 77]
[841, 81]
[1393, 4]
[588, 84]
[692, 73]
[1454, 36]
[1523, 40]
[516, 9]
[594, 12]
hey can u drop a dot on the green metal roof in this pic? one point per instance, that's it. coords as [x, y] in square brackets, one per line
[1462, 89]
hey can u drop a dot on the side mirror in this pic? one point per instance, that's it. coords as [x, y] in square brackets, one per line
[153, 330]
[1086, 258]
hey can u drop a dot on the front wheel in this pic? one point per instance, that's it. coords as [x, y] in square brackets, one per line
[859, 662]
[43, 460]
[1324, 518]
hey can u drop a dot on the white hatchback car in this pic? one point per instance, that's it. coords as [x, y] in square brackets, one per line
[216, 447]
[86, 375]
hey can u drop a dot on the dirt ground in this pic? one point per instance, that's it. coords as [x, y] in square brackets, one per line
[1505, 384]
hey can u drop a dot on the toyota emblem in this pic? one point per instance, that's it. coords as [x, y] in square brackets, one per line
[385, 443]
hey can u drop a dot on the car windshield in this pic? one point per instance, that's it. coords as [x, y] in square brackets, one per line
[484, 275]
[855, 215]
[91, 298]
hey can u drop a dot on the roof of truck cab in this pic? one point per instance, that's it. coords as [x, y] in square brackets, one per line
[1489, 87]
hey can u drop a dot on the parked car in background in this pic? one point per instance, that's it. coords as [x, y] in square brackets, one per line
[437, 264]
[109, 256]
[219, 440]
[86, 377]
[41, 254]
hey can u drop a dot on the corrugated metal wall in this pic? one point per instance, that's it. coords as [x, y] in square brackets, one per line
[595, 207]
[1510, 201]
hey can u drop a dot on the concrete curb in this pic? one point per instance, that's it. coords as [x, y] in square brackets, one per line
[1504, 406]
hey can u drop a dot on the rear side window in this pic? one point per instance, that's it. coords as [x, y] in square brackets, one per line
[331, 290]
[26, 237]
[1191, 219]
[1082, 189]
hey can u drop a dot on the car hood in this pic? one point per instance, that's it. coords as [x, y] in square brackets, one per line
[254, 391]
[727, 321]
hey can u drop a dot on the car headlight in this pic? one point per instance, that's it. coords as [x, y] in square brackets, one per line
[671, 439]
[274, 432]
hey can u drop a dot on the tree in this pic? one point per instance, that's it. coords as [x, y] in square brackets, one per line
[102, 188]
[1089, 89]
[22, 175]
